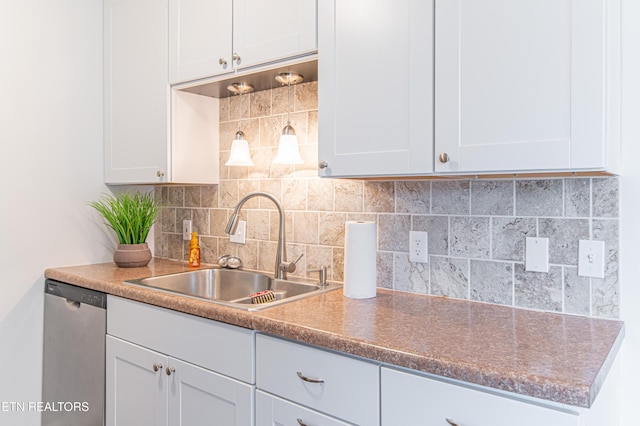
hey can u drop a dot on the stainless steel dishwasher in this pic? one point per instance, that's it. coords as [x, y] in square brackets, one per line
[73, 366]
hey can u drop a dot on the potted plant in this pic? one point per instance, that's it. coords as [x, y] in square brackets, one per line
[131, 216]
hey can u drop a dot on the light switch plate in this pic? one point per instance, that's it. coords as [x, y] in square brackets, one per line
[537, 254]
[239, 235]
[591, 258]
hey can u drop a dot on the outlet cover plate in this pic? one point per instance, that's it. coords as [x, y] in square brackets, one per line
[537, 254]
[418, 247]
[239, 235]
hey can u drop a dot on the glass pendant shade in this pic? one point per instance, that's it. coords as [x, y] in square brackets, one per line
[239, 155]
[288, 151]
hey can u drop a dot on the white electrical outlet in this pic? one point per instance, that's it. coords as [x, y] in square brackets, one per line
[536, 255]
[186, 229]
[591, 258]
[418, 247]
[239, 235]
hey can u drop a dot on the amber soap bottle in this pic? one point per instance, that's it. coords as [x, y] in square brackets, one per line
[194, 251]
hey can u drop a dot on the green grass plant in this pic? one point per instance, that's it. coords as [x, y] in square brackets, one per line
[130, 215]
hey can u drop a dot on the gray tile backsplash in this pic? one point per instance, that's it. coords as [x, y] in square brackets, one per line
[476, 227]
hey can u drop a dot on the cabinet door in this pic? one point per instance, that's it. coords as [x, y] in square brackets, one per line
[199, 39]
[273, 411]
[520, 85]
[409, 399]
[136, 392]
[136, 91]
[202, 397]
[376, 87]
[267, 31]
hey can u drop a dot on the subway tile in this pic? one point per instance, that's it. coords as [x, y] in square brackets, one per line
[537, 290]
[393, 232]
[413, 277]
[469, 237]
[348, 195]
[492, 197]
[606, 292]
[449, 276]
[509, 236]
[563, 235]
[379, 197]
[437, 228]
[450, 197]
[175, 196]
[331, 229]
[577, 291]
[305, 227]
[192, 196]
[384, 269]
[539, 197]
[200, 223]
[413, 197]
[491, 282]
[605, 197]
[320, 195]
[577, 197]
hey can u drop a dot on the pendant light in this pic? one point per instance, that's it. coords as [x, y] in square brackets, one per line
[288, 151]
[239, 155]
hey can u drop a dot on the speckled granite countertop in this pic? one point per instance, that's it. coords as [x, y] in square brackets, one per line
[556, 357]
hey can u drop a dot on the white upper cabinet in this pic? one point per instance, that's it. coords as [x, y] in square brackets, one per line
[200, 38]
[375, 74]
[136, 91]
[209, 38]
[525, 85]
[151, 133]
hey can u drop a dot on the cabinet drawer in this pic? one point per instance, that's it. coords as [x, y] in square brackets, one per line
[414, 399]
[197, 340]
[271, 410]
[349, 389]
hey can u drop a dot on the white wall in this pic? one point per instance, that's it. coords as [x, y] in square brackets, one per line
[630, 214]
[51, 164]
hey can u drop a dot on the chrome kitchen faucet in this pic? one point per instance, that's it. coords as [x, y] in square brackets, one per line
[282, 267]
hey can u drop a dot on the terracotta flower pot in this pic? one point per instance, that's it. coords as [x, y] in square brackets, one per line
[132, 255]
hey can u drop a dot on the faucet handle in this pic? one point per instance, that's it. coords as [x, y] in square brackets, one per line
[322, 274]
[290, 266]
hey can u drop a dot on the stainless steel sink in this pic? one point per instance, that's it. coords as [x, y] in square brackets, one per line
[233, 287]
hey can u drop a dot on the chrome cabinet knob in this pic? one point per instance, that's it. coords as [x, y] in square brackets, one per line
[160, 173]
[444, 157]
[170, 370]
[322, 164]
[236, 57]
[157, 366]
[222, 61]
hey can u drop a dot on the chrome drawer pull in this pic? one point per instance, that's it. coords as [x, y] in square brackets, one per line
[309, 379]
[300, 422]
[451, 422]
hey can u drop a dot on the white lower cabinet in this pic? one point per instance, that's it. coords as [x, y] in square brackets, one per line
[317, 383]
[145, 387]
[411, 399]
[274, 411]
[168, 368]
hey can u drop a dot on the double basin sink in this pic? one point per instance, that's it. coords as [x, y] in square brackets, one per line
[232, 287]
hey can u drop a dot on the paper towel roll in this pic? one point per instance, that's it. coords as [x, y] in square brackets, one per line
[360, 260]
